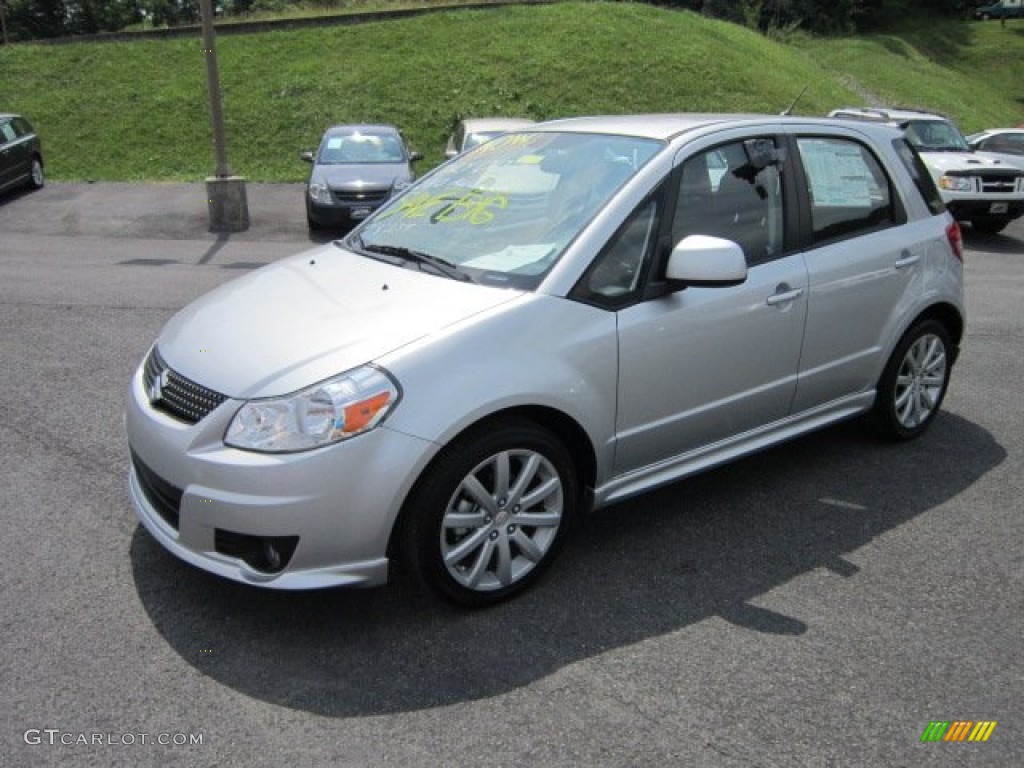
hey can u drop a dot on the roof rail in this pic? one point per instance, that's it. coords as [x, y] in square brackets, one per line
[861, 113]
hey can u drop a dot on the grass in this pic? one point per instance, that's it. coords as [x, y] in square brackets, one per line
[138, 110]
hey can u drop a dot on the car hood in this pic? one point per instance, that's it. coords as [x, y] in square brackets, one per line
[306, 318]
[1016, 161]
[361, 176]
[962, 161]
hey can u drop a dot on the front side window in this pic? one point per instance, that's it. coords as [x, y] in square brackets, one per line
[6, 132]
[503, 213]
[849, 192]
[724, 194]
[613, 280]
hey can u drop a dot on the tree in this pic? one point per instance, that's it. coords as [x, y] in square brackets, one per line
[32, 19]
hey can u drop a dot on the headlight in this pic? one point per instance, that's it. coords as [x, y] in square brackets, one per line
[399, 185]
[957, 183]
[319, 192]
[328, 412]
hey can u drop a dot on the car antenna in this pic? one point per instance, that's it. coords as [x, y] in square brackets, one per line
[789, 110]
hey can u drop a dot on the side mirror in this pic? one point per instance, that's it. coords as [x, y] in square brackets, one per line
[705, 261]
[414, 156]
[307, 156]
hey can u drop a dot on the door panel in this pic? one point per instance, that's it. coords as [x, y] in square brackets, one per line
[863, 270]
[8, 155]
[858, 292]
[703, 364]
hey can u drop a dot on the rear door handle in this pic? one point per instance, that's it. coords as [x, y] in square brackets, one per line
[784, 296]
[906, 259]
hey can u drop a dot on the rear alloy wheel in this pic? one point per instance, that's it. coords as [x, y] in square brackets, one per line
[36, 175]
[914, 382]
[491, 515]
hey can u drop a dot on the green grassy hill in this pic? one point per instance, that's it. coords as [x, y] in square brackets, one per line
[125, 111]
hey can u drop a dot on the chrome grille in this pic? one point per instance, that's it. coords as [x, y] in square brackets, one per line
[174, 394]
[998, 182]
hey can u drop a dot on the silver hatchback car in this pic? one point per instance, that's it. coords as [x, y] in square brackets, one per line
[556, 320]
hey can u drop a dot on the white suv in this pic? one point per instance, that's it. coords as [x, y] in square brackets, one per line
[986, 191]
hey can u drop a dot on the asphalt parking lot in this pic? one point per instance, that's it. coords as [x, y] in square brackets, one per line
[818, 604]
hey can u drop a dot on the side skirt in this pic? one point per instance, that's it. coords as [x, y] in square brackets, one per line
[667, 471]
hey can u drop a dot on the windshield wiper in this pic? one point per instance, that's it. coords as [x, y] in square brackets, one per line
[442, 266]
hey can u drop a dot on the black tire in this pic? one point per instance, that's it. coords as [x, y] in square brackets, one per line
[989, 226]
[497, 553]
[35, 177]
[914, 382]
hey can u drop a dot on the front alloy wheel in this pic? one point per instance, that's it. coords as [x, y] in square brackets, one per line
[914, 383]
[491, 514]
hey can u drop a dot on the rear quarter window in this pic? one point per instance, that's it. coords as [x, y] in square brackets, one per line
[919, 173]
[848, 190]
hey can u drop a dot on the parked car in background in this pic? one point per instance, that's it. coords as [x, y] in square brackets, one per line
[977, 188]
[1006, 144]
[1005, 9]
[356, 169]
[473, 131]
[21, 153]
[487, 357]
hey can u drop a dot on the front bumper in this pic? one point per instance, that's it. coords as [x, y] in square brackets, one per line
[1006, 210]
[337, 214]
[212, 506]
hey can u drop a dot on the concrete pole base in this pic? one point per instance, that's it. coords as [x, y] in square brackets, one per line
[228, 205]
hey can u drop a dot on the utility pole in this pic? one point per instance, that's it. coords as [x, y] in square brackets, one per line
[225, 193]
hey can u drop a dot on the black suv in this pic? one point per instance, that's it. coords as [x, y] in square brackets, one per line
[21, 153]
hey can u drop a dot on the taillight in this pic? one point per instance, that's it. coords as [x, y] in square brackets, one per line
[956, 240]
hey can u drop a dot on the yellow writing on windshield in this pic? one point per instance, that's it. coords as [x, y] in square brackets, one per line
[474, 207]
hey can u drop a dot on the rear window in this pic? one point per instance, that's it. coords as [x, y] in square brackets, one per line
[21, 126]
[919, 173]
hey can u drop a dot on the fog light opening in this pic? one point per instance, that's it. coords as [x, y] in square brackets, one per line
[272, 555]
[267, 554]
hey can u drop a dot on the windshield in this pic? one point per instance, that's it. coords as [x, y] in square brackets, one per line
[479, 137]
[935, 136]
[357, 148]
[504, 212]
